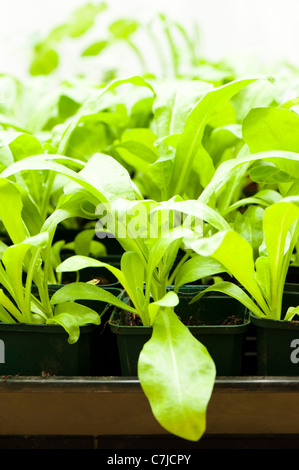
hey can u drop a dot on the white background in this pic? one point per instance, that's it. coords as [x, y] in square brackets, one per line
[228, 27]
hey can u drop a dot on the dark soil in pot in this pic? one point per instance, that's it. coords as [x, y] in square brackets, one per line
[219, 322]
[35, 350]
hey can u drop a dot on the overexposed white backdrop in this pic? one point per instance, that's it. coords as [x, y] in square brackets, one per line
[266, 29]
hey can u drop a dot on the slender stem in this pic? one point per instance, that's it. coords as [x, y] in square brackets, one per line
[30, 273]
[139, 56]
[47, 194]
[44, 290]
[178, 266]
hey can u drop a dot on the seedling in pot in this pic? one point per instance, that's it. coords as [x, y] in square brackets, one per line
[264, 278]
[29, 258]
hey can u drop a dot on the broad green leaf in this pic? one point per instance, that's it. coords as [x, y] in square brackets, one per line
[170, 299]
[222, 138]
[197, 268]
[173, 102]
[83, 18]
[133, 271]
[92, 105]
[83, 244]
[156, 180]
[203, 167]
[159, 249]
[45, 61]
[258, 94]
[69, 206]
[262, 276]
[71, 315]
[271, 128]
[11, 206]
[84, 315]
[100, 174]
[265, 197]
[13, 259]
[84, 291]
[136, 148]
[192, 135]
[94, 133]
[233, 290]
[5, 317]
[7, 305]
[95, 48]
[195, 209]
[236, 254]
[17, 145]
[278, 220]
[267, 173]
[122, 29]
[177, 376]
[291, 312]
[250, 226]
[78, 262]
[103, 188]
[286, 161]
[69, 323]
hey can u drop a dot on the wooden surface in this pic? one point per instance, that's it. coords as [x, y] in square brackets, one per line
[117, 406]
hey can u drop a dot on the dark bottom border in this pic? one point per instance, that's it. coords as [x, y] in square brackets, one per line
[117, 444]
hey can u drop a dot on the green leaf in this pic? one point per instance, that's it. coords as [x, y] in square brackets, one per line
[250, 226]
[291, 312]
[263, 276]
[44, 62]
[271, 128]
[102, 188]
[122, 29]
[203, 168]
[13, 259]
[260, 93]
[265, 197]
[286, 161]
[92, 105]
[173, 103]
[96, 48]
[192, 135]
[170, 299]
[236, 254]
[133, 271]
[9, 312]
[278, 220]
[136, 148]
[84, 291]
[69, 324]
[197, 268]
[84, 17]
[83, 244]
[234, 291]
[78, 262]
[177, 376]
[267, 173]
[11, 206]
[71, 315]
[196, 209]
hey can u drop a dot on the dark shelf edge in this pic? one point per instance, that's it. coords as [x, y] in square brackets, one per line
[132, 384]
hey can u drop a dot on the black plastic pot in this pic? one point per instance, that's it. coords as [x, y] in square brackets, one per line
[34, 350]
[293, 275]
[102, 274]
[208, 320]
[277, 342]
[112, 245]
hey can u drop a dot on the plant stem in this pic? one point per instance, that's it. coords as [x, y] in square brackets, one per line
[181, 262]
